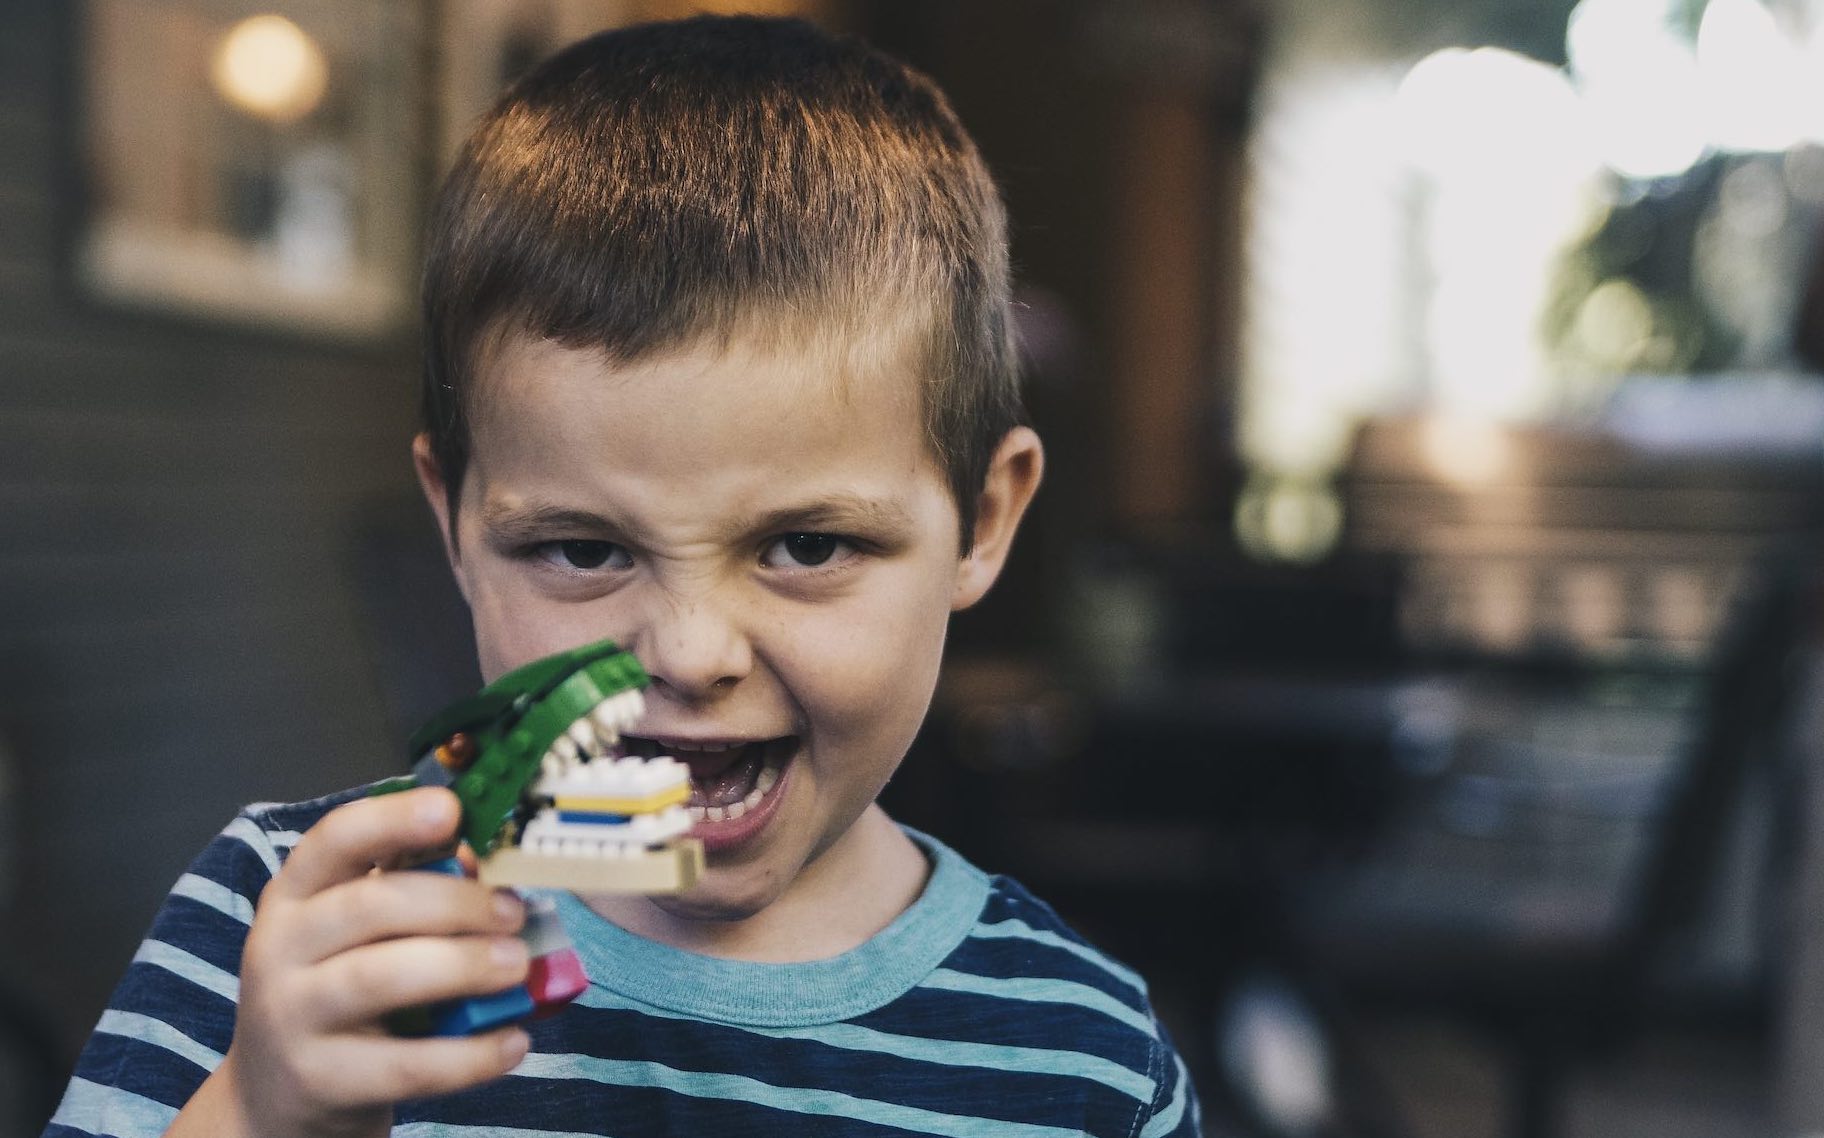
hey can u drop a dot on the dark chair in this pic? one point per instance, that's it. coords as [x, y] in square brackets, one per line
[1554, 989]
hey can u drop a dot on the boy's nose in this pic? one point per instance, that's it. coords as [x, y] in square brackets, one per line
[692, 652]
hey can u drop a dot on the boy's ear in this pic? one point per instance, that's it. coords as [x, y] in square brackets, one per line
[1013, 478]
[437, 493]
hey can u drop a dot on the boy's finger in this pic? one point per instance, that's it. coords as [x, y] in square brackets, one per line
[358, 987]
[351, 839]
[375, 1069]
[380, 906]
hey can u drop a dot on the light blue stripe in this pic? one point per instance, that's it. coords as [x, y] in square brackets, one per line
[192, 968]
[132, 1025]
[798, 1100]
[215, 895]
[246, 831]
[948, 1052]
[1014, 928]
[1039, 990]
[1167, 1120]
[101, 1110]
[451, 1130]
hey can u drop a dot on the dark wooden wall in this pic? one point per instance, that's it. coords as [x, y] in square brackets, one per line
[180, 506]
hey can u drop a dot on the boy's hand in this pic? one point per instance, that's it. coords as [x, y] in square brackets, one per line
[334, 947]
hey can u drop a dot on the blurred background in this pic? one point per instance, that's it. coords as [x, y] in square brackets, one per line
[1413, 665]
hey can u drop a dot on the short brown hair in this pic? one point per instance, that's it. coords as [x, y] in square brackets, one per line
[654, 185]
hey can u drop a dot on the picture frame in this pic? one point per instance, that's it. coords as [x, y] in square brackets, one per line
[254, 164]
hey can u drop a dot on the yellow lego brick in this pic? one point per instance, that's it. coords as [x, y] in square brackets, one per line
[651, 803]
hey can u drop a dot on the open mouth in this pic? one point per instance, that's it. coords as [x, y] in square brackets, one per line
[597, 818]
[728, 780]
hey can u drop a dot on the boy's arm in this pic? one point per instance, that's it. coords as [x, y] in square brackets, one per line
[295, 1043]
[333, 949]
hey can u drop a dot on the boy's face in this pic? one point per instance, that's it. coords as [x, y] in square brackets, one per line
[772, 539]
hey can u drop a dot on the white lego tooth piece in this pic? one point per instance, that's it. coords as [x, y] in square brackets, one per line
[630, 705]
[582, 732]
[607, 723]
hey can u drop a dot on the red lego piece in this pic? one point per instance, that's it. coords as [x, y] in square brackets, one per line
[554, 980]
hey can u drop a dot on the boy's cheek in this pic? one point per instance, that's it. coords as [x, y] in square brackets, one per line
[511, 631]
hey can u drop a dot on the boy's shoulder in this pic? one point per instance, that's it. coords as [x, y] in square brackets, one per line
[1014, 923]
[295, 817]
[1019, 934]
[1022, 967]
[256, 842]
[1017, 945]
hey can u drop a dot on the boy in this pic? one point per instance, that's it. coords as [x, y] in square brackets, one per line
[718, 366]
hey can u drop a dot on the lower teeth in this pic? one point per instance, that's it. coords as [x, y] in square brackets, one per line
[763, 785]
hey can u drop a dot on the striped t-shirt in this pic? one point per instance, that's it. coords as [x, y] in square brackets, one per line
[976, 1012]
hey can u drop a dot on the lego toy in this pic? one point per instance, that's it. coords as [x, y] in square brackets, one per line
[549, 802]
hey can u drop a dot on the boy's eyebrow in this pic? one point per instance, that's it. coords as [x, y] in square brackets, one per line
[839, 512]
[508, 525]
[512, 524]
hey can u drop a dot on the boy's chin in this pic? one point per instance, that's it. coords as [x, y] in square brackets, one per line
[701, 906]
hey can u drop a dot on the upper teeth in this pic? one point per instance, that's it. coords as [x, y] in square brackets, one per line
[681, 745]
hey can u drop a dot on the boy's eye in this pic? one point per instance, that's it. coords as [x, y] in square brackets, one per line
[583, 554]
[803, 550]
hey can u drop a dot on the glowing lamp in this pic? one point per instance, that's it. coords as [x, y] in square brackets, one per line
[270, 68]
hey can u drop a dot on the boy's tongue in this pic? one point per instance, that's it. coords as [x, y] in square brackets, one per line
[722, 778]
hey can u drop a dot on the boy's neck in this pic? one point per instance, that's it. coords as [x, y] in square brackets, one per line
[853, 891]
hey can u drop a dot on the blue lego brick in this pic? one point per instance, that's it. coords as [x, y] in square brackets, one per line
[482, 1013]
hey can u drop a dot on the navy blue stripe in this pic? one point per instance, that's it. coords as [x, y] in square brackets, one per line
[634, 1037]
[158, 1074]
[985, 1019]
[629, 1112]
[201, 1015]
[1009, 958]
[205, 932]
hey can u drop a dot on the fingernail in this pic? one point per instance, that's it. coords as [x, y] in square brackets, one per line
[431, 810]
[508, 908]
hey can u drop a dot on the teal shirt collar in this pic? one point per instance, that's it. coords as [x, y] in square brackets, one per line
[873, 974]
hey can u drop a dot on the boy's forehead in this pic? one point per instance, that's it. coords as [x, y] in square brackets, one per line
[692, 445]
[834, 365]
